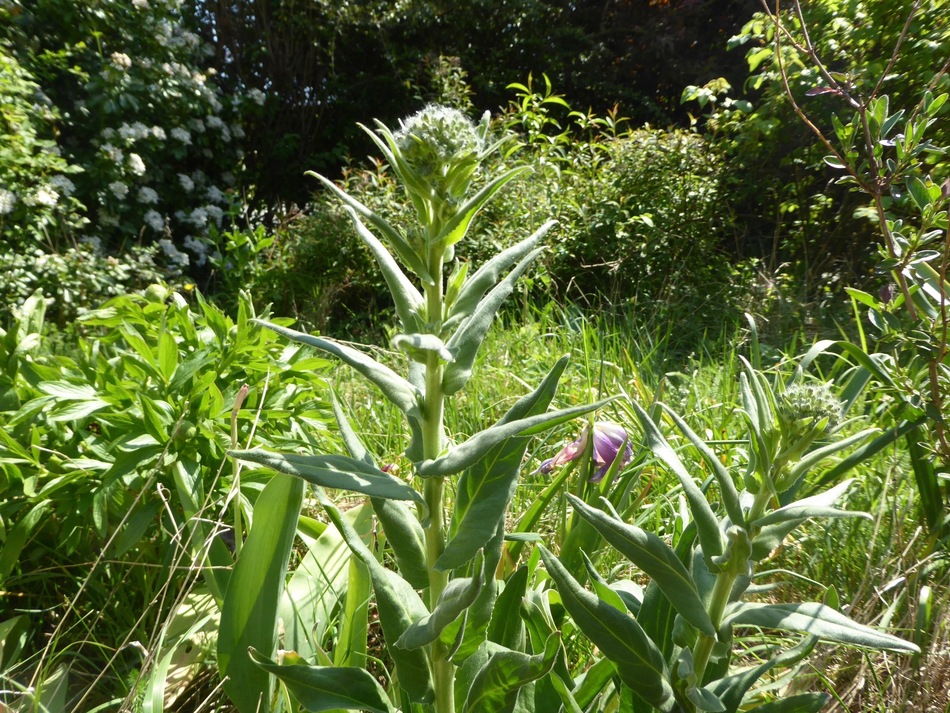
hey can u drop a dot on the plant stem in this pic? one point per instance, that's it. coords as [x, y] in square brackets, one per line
[717, 606]
[433, 441]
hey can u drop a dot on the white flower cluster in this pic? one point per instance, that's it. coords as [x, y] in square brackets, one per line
[7, 201]
[120, 60]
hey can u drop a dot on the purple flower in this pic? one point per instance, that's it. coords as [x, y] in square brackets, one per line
[609, 438]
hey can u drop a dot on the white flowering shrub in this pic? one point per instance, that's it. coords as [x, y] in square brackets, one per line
[153, 141]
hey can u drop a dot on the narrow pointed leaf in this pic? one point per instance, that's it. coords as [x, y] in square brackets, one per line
[771, 537]
[468, 453]
[324, 688]
[707, 525]
[487, 486]
[488, 275]
[817, 619]
[704, 700]
[398, 243]
[464, 344]
[457, 597]
[732, 689]
[456, 228]
[333, 472]
[815, 506]
[495, 688]
[639, 663]
[479, 615]
[507, 627]
[419, 346]
[399, 391]
[399, 607]
[406, 298]
[249, 614]
[655, 558]
[727, 489]
[810, 460]
[354, 445]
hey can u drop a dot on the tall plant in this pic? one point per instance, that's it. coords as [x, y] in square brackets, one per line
[436, 609]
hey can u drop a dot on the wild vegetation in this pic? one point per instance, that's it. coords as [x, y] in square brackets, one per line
[547, 410]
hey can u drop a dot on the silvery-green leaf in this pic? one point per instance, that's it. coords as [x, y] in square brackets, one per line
[399, 607]
[801, 703]
[406, 298]
[403, 249]
[399, 391]
[458, 595]
[488, 275]
[464, 344]
[704, 700]
[487, 486]
[333, 472]
[707, 525]
[455, 229]
[817, 619]
[406, 537]
[814, 506]
[468, 453]
[810, 460]
[639, 663]
[655, 558]
[418, 346]
[507, 627]
[495, 687]
[730, 495]
[324, 688]
[771, 537]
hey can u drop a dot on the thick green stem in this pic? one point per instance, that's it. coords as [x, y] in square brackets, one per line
[717, 606]
[433, 441]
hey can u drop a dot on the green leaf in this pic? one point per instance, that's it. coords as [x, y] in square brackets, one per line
[918, 191]
[398, 243]
[487, 486]
[732, 689]
[495, 687]
[655, 558]
[399, 391]
[707, 525]
[770, 537]
[458, 225]
[727, 489]
[639, 663]
[333, 472]
[458, 595]
[468, 453]
[817, 619]
[406, 298]
[249, 614]
[324, 688]
[488, 275]
[479, 615]
[813, 458]
[167, 355]
[814, 506]
[507, 628]
[399, 607]
[406, 538]
[467, 339]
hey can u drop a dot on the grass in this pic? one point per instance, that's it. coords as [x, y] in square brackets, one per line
[885, 571]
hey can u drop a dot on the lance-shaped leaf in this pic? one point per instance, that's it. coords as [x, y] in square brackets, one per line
[455, 229]
[399, 391]
[707, 525]
[480, 614]
[655, 558]
[464, 344]
[399, 244]
[732, 689]
[333, 472]
[495, 688]
[814, 506]
[488, 275]
[730, 495]
[458, 595]
[468, 453]
[249, 613]
[639, 662]
[486, 488]
[407, 539]
[324, 688]
[399, 607]
[770, 537]
[817, 619]
[406, 298]
[507, 627]
[810, 460]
